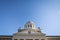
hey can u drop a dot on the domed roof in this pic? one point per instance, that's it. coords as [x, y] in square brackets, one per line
[29, 25]
[30, 22]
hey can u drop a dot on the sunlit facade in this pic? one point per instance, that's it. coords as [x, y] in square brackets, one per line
[29, 33]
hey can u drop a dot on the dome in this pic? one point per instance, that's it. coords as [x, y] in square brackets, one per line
[29, 25]
[30, 22]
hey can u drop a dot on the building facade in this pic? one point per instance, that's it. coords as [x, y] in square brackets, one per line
[29, 33]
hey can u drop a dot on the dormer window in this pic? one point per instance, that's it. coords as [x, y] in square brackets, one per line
[29, 32]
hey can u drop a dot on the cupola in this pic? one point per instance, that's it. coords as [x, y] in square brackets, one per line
[29, 25]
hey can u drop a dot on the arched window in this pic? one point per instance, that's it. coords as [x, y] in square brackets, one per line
[30, 25]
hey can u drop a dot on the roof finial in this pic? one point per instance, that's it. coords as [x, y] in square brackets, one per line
[19, 29]
[39, 28]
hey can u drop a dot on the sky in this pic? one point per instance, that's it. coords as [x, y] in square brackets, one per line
[44, 13]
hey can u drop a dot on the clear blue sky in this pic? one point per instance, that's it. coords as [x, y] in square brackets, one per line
[44, 13]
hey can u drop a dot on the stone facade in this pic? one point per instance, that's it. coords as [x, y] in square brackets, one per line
[5, 37]
[29, 33]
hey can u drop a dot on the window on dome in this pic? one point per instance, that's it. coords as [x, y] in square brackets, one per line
[29, 32]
